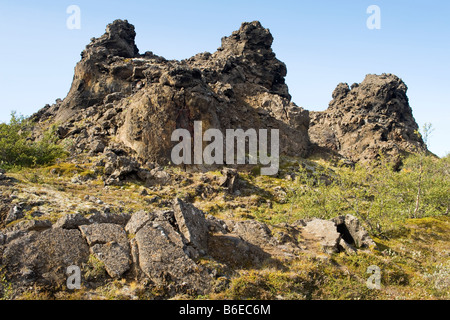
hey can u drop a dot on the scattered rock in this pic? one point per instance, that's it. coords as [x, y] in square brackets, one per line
[353, 232]
[229, 179]
[71, 221]
[166, 264]
[192, 224]
[109, 243]
[14, 214]
[327, 232]
[161, 246]
[45, 255]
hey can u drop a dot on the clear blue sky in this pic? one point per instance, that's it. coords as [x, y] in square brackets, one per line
[322, 43]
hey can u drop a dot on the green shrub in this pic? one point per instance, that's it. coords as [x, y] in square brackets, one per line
[378, 195]
[18, 149]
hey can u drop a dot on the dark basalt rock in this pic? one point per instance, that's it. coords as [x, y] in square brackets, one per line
[139, 100]
[367, 119]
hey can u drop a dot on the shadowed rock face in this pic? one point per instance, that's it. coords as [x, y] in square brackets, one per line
[139, 100]
[366, 119]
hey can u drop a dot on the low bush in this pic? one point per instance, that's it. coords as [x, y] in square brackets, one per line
[17, 148]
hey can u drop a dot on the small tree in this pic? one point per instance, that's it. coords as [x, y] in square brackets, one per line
[426, 133]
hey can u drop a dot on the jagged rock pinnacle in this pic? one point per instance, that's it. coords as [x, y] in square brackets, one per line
[147, 97]
[371, 117]
[118, 40]
[250, 36]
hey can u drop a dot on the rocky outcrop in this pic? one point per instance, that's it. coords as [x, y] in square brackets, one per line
[368, 119]
[128, 102]
[101, 75]
[109, 243]
[138, 100]
[327, 232]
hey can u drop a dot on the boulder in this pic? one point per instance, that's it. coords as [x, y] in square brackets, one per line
[229, 179]
[138, 220]
[71, 221]
[366, 119]
[192, 225]
[109, 243]
[326, 232]
[234, 251]
[110, 217]
[15, 213]
[254, 232]
[97, 146]
[165, 263]
[45, 256]
[353, 231]
[115, 257]
[31, 225]
[12, 235]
